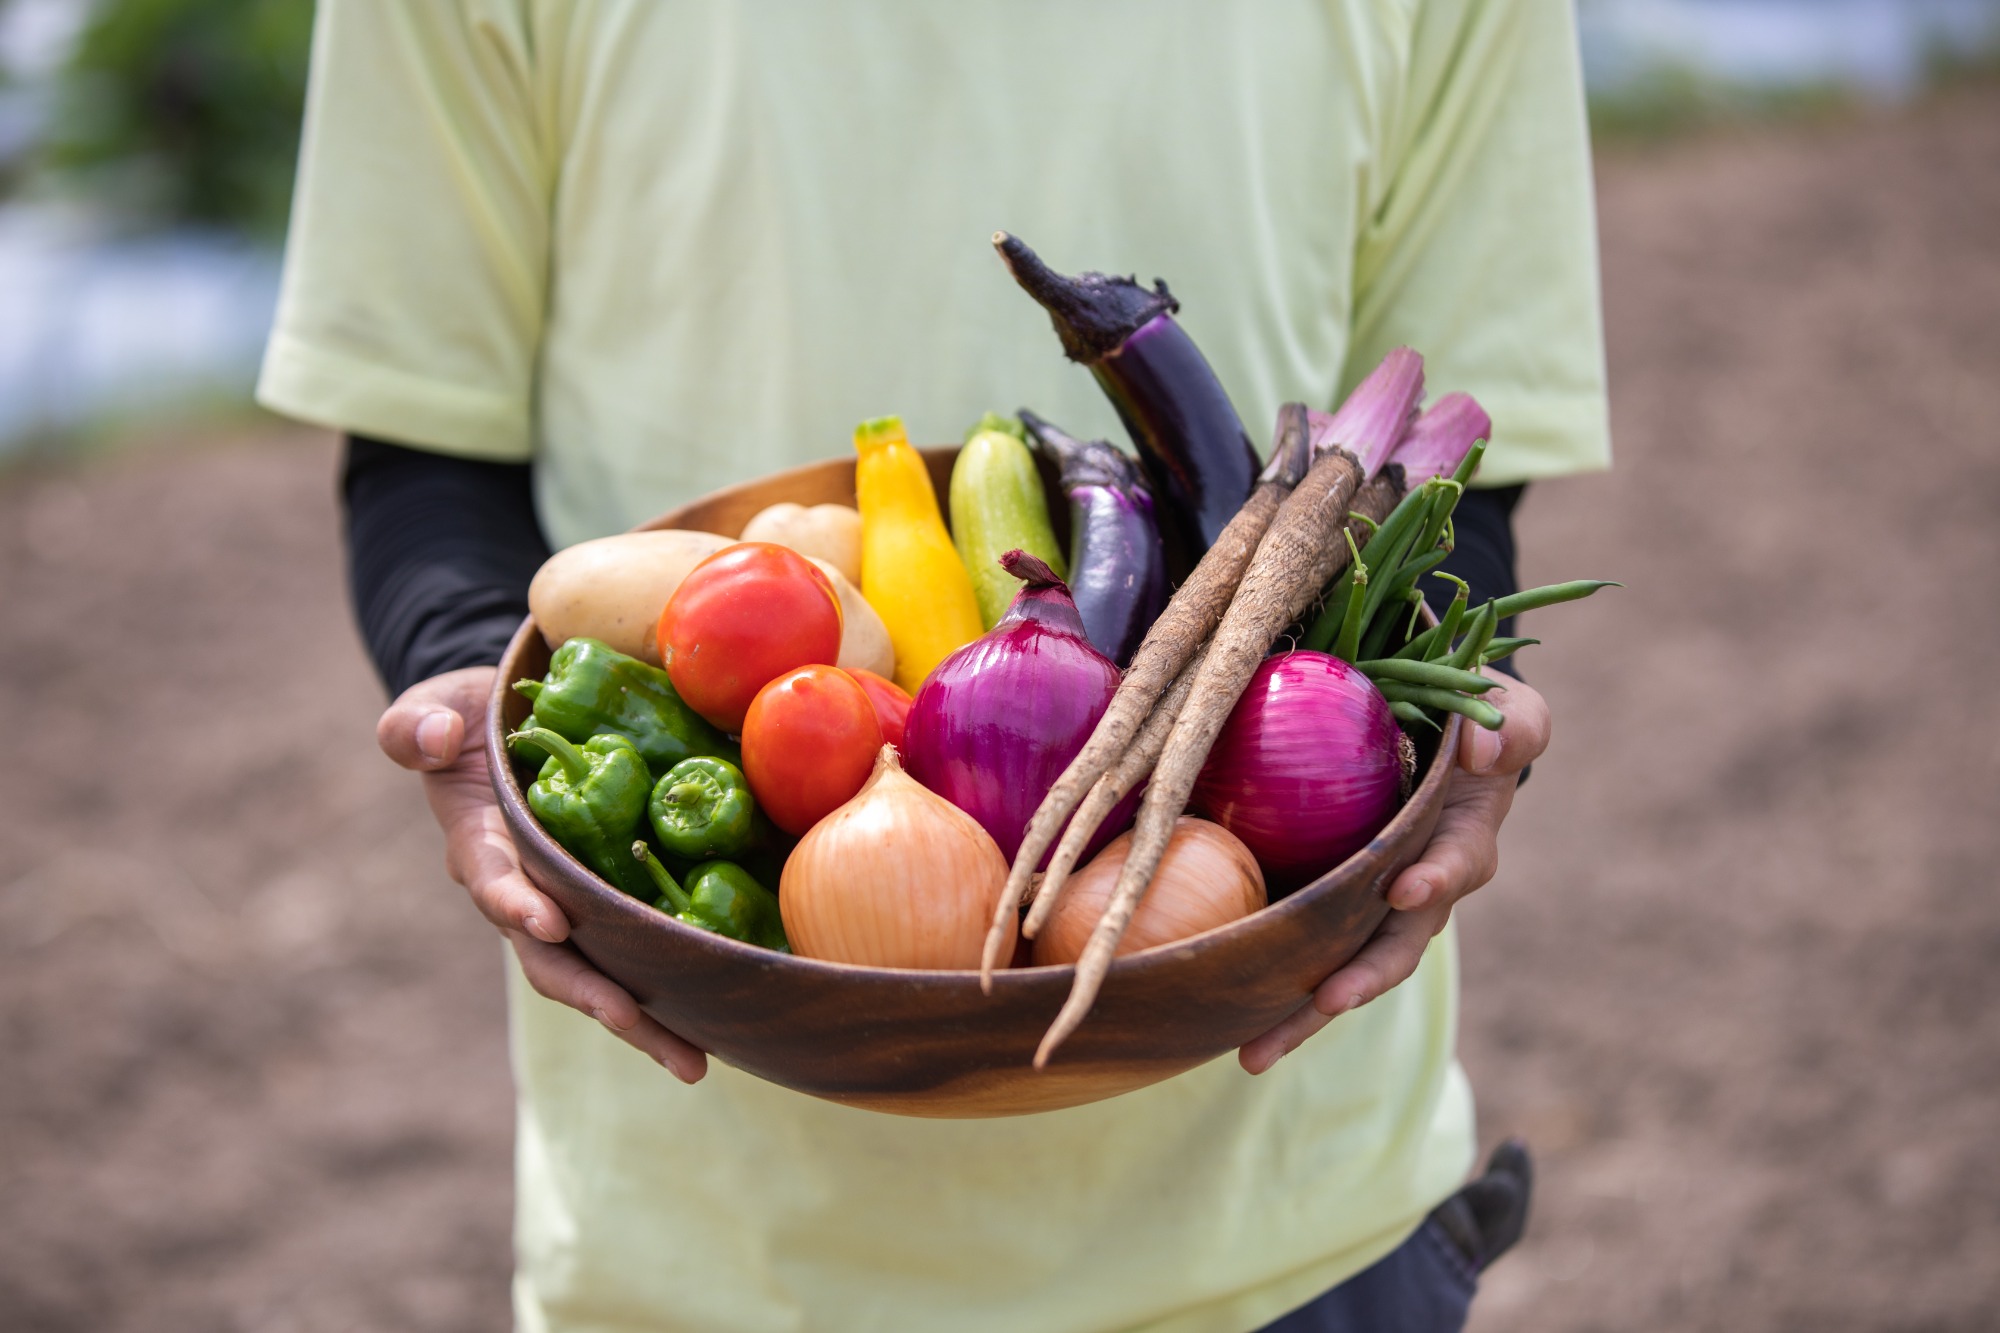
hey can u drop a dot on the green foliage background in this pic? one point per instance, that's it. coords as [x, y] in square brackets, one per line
[186, 110]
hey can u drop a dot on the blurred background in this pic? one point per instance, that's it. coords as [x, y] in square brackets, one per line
[1736, 982]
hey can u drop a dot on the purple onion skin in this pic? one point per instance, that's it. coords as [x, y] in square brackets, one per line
[995, 723]
[1306, 770]
[1192, 444]
[1117, 563]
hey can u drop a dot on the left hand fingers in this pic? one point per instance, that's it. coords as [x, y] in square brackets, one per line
[1385, 961]
[1463, 852]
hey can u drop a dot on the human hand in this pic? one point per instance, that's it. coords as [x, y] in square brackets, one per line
[426, 730]
[1462, 854]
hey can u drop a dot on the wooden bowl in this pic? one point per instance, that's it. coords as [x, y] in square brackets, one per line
[930, 1043]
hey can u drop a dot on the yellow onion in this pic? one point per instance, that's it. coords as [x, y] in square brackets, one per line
[1207, 879]
[897, 877]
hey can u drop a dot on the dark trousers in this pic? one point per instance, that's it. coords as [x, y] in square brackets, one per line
[1425, 1285]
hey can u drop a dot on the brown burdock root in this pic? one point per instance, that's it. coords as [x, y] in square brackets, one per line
[1196, 609]
[1302, 549]
[1123, 779]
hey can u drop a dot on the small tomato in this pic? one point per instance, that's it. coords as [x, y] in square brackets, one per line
[809, 742]
[740, 619]
[892, 706]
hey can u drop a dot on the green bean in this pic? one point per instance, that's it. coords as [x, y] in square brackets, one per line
[1449, 494]
[1477, 636]
[1447, 628]
[1350, 624]
[1416, 611]
[1408, 712]
[1381, 623]
[1470, 464]
[1426, 673]
[1375, 642]
[1485, 714]
[1388, 565]
[1402, 518]
[1534, 599]
[1500, 648]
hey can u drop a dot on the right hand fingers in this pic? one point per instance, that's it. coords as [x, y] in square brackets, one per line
[562, 975]
[479, 854]
[426, 728]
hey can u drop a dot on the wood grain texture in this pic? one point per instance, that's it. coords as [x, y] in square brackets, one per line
[929, 1043]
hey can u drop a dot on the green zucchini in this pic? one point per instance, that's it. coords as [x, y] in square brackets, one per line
[997, 506]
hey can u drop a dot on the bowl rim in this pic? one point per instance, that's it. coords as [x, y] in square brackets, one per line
[1428, 789]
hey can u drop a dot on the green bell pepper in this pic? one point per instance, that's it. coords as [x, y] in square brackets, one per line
[524, 749]
[701, 808]
[721, 897]
[593, 688]
[591, 799]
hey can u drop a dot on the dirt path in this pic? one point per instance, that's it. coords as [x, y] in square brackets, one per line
[1736, 983]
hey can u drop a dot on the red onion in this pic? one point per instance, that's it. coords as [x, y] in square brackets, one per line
[996, 722]
[1308, 768]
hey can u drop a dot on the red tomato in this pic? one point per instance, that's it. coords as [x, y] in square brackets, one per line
[742, 618]
[809, 743]
[892, 706]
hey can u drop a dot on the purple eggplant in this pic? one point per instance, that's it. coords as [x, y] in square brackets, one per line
[1196, 453]
[1117, 564]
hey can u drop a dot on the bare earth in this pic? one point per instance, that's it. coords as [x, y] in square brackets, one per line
[1738, 984]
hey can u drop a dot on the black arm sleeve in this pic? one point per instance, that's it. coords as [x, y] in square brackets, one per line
[440, 552]
[1482, 555]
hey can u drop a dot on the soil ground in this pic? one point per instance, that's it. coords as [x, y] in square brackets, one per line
[1738, 982]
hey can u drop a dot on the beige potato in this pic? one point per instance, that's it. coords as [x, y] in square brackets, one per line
[864, 639]
[826, 532]
[614, 588]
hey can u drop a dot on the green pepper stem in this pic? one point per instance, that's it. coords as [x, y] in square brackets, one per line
[530, 687]
[565, 753]
[665, 883]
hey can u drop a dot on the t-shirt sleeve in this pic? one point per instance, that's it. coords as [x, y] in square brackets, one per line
[415, 268]
[1480, 245]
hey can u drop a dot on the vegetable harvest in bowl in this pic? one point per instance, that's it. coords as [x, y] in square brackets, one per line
[1112, 835]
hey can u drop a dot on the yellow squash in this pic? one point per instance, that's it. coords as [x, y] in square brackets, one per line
[910, 571]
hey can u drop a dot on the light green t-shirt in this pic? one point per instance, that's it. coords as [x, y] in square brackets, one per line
[659, 247]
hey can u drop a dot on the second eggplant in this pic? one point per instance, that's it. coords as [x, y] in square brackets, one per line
[1117, 562]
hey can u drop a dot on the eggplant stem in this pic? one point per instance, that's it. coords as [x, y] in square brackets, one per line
[1093, 314]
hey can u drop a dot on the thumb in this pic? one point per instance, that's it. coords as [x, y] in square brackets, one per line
[1519, 742]
[426, 727]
